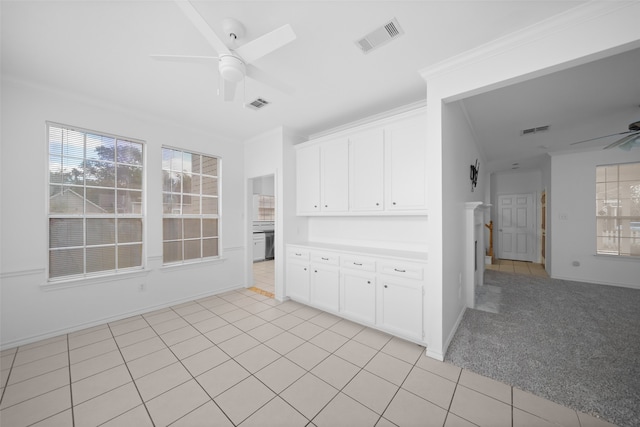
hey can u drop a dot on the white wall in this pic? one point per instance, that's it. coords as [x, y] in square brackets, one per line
[546, 186]
[573, 178]
[459, 152]
[28, 311]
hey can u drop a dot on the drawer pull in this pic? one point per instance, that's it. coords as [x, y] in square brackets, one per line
[368, 282]
[386, 286]
[325, 259]
[357, 263]
[305, 269]
[400, 271]
[297, 254]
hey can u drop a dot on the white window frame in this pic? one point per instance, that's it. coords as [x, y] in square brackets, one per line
[84, 216]
[610, 207]
[177, 213]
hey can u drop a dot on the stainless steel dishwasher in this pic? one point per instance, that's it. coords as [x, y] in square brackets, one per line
[268, 247]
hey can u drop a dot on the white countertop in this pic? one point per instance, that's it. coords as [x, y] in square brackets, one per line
[363, 250]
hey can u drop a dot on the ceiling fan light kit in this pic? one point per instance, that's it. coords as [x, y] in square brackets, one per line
[232, 68]
[627, 142]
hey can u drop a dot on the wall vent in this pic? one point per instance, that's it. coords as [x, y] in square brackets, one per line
[257, 104]
[534, 130]
[380, 36]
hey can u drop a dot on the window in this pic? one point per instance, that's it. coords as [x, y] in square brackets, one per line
[190, 206]
[95, 203]
[618, 209]
[266, 208]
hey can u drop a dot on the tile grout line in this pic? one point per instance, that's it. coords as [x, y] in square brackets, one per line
[73, 415]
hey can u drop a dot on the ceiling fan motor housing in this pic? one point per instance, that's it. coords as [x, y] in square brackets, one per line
[232, 68]
[634, 126]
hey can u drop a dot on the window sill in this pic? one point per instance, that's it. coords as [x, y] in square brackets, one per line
[94, 280]
[624, 258]
[193, 264]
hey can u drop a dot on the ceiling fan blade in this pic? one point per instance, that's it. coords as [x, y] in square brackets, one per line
[260, 76]
[198, 21]
[228, 89]
[266, 43]
[600, 137]
[186, 58]
[622, 141]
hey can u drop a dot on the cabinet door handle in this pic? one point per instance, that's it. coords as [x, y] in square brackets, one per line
[305, 269]
[315, 206]
[297, 254]
[400, 271]
[315, 271]
[357, 263]
[326, 206]
[394, 203]
[377, 204]
[324, 259]
[385, 286]
[368, 282]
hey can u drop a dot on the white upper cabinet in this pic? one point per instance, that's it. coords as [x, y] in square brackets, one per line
[366, 171]
[334, 177]
[376, 169]
[308, 180]
[405, 168]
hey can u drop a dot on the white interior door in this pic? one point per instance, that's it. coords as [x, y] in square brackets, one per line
[516, 227]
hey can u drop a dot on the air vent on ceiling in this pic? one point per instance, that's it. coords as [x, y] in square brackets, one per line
[534, 130]
[257, 104]
[380, 36]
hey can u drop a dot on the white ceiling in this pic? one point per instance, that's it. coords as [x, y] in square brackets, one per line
[100, 50]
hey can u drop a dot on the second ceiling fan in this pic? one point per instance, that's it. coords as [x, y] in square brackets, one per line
[235, 64]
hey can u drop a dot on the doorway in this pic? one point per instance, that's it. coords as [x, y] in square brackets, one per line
[516, 227]
[263, 230]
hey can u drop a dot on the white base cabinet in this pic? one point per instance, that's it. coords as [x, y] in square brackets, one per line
[385, 292]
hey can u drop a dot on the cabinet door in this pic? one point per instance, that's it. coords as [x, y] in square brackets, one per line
[297, 285]
[366, 171]
[406, 165]
[308, 179]
[358, 295]
[325, 288]
[335, 176]
[400, 307]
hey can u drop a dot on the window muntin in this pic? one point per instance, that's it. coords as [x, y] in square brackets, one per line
[618, 209]
[190, 225]
[95, 203]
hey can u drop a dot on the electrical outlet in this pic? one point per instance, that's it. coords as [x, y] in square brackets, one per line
[142, 287]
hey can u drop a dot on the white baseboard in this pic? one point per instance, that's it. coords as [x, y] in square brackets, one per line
[453, 331]
[120, 316]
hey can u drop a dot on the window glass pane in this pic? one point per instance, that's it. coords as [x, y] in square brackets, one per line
[100, 174]
[196, 163]
[176, 160]
[209, 228]
[129, 202]
[171, 203]
[630, 172]
[100, 201]
[101, 231]
[129, 256]
[172, 252]
[171, 228]
[72, 143]
[190, 204]
[55, 141]
[101, 148]
[209, 247]
[129, 230]
[187, 162]
[167, 154]
[192, 228]
[67, 200]
[55, 169]
[210, 205]
[65, 232]
[72, 171]
[192, 249]
[186, 182]
[67, 262]
[600, 174]
[129, 152]
[129, 176]
[610, 173]
[209, 186]
[209, 166]
[101, 258]
[601, 192]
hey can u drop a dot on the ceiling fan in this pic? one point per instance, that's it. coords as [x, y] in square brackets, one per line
[627, 142]
[235, 64]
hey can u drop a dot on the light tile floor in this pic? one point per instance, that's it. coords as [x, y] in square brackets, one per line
[518, 267]
[241, 358]
[264, 276]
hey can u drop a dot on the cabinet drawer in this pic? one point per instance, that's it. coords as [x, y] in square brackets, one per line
[298, 253]
[358, 263]
[402, 269]
[325, 258]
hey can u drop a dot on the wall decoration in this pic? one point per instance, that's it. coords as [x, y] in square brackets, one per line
[475, 169]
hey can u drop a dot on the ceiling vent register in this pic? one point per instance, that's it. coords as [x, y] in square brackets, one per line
[534, 130]
[258, 104]
[380, 36]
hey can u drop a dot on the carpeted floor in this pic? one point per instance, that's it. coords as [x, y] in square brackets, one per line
[577, 344]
